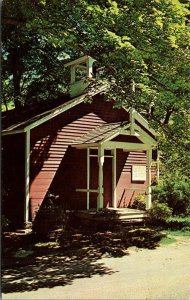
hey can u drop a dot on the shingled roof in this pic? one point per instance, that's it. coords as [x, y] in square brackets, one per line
[100, 133]
[29, 120]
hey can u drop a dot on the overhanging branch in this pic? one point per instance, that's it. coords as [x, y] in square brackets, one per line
[12, 21]
[161, 84]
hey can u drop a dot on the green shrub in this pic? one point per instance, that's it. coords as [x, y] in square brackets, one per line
[139, 202]
[174, 189]
[178, 223]
[158, 213]
[50, 216]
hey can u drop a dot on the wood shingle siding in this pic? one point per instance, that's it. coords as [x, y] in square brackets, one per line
[59, 157]
[50, 142]
[126, 188]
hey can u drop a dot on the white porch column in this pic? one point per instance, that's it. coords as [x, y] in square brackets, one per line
[100, 178]
[89, 67]
[27, 176]
[114, 175]
[149, 189]
[88, 180]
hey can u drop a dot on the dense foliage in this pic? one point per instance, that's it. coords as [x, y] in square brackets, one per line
[174, 190]
[143, 46]
[158, 213]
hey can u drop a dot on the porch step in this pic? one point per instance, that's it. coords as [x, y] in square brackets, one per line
[124, 213]
[131, 216]
[24, 231]
[131, 221]
[121, 215]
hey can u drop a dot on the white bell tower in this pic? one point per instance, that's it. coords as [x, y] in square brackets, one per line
[81, 73]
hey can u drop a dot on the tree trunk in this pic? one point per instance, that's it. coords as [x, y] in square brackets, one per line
[16, 71]
[17, 94]
[5, 103]
[167, 116]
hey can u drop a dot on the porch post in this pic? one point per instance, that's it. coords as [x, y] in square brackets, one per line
[100, 177]
[114, 199]
[89, 67]
[27, 176]
[88, 179]
[149, 189]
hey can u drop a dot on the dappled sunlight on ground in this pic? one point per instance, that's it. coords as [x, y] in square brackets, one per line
[72, 254]
[50, 270]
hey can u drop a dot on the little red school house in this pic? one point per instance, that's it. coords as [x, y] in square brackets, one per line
[92, 155]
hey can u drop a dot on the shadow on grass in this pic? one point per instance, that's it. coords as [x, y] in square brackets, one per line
[76, 255]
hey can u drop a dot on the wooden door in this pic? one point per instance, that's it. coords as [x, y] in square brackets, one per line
[107, 181]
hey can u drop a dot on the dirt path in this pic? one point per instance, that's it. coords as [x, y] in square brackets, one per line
[162, 273]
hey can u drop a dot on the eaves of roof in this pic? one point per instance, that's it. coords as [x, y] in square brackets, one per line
[48, 115]
[39, 119]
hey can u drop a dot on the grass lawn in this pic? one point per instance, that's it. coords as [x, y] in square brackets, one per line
[176, 227]
[173, 235]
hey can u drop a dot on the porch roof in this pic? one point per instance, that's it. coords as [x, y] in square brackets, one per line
[137, 136]
[101, 133]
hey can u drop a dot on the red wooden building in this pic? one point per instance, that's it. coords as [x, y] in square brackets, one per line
[90, 154]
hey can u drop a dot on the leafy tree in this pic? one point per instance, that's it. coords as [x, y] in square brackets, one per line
[143, 46]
